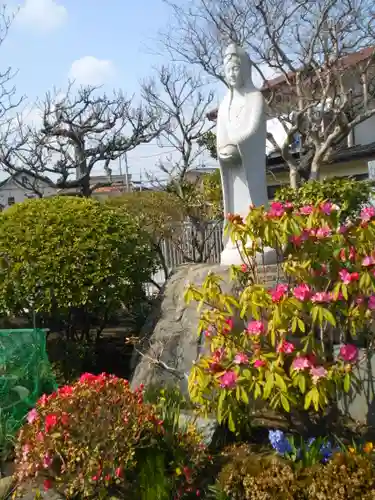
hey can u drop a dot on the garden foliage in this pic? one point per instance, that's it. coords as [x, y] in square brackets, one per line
[350, 195]
[97, 438]
[73, 261]
[277, 345]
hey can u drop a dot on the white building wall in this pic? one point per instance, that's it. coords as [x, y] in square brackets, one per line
[11, 193]
[364, 133]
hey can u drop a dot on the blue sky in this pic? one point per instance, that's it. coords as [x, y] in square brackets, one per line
[49, 36]
[97, 42]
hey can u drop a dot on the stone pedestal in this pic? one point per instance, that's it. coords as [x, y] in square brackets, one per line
[171, 332]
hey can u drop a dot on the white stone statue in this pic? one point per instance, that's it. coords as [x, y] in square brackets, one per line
[241, 146]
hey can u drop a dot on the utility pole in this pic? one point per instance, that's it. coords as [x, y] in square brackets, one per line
[127, 173]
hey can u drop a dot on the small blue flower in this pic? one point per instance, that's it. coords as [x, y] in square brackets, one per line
[326, 451]
[310, 442]
[279, 442]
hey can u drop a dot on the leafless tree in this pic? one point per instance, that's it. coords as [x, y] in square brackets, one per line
[183, 101]
[322, 52]
[79, 130]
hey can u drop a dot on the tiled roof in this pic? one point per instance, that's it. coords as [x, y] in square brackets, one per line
[347, 61]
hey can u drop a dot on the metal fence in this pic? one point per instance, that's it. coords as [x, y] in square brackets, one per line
[182, 251]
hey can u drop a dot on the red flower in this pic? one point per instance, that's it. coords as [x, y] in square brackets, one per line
[228, 327]
[285, 347]
[88, 377]
[118, 472]
[244, 268]
[50, 422]
[47, 484]
[258, 363]
[279, 292]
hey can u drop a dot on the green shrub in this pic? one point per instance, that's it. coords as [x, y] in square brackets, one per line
[97, 438]
[350, 195]
[74, 261]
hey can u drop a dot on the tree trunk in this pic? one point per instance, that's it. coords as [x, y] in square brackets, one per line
[293, 176]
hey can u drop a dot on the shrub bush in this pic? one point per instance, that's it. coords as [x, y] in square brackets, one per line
[97, 438]
[350, 195]
[277, 344]
[249, 476]
[72, 260]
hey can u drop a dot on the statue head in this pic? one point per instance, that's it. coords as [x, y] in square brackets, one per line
[237, 68]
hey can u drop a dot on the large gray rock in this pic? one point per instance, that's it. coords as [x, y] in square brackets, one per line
[171, 335]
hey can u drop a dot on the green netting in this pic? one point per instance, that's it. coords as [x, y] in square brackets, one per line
[25, 374]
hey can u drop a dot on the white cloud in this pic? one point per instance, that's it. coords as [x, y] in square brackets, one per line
[90, 70]
[42, 15]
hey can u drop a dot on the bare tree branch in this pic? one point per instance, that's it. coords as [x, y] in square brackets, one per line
[80, 130]
[323, 53]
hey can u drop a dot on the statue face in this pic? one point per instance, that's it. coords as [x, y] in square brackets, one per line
[233, 74]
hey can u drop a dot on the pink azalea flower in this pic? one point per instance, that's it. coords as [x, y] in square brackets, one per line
[321, 297]
[279, 292]
[349, 353]
[368, 261]
[317, 372]
[241, 359]
[326, 207]
[276, 210]
[347, 277]
[302, 292]
[367, 213]
[323, 232]
[371, 302]
[288, 205]
[306, 210]
[259, 363]
[244, 268]
[285, 347]
[32, 416]
[255, 328]
[228, 380]
[301, 363]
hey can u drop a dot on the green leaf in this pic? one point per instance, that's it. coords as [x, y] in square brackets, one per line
[231, 424]
[269, 385]
[347, 382]
[280, 382]
[285, 402]
[308, 399]
[302, 383]
[329, 317]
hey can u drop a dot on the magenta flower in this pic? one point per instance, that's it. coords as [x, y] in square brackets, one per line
[301, 363]
[259, 363]
[47, 461]
[321, 297]
[323, 232]
[347, 277]
[327, 207]
[371, 302]
[276, 210]
[317, 372]
[349, 353]
[367, 213]
[218, 354]
[255, 328]
[228, 380]
[368, 261]
[32, 416]
[241, 359]
[306, 210]
[342, 229]
[285, 347]
[279, 292]
[302, 292]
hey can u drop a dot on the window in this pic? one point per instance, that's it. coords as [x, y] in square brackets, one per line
[11, 200]
[24, 180]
